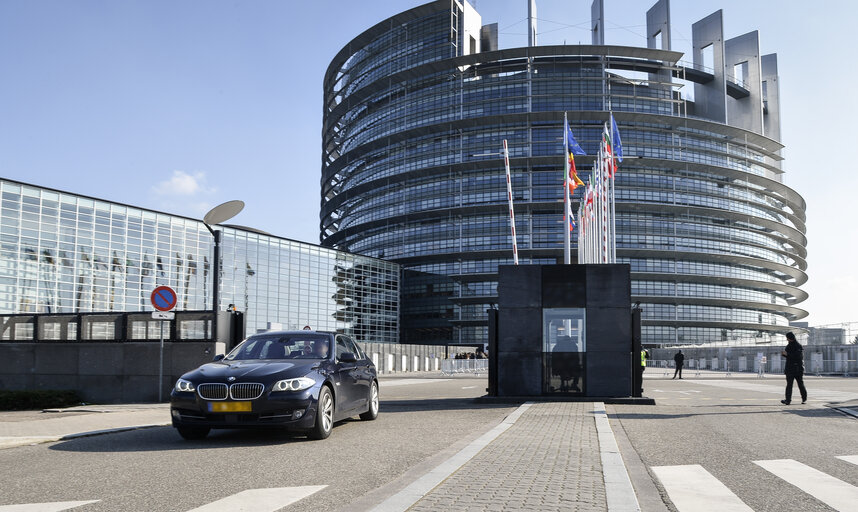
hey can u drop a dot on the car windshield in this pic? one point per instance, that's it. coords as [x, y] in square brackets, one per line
[282, 346]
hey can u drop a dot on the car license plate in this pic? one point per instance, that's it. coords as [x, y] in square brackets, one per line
[229, 406]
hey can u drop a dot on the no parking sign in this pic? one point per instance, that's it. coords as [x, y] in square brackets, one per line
[164, 298]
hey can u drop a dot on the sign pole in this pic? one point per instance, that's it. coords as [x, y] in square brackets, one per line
[161, 366]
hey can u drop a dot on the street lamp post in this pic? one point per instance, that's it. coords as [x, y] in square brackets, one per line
[217, 215]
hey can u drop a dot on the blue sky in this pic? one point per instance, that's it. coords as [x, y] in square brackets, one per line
[181, 105]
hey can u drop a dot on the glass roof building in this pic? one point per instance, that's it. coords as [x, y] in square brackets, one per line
[415, 112]
[66, 253]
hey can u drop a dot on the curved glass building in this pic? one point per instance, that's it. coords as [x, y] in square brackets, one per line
[415, 112]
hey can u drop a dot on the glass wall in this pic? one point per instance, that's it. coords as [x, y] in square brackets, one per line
[64, 253]
[564, 347]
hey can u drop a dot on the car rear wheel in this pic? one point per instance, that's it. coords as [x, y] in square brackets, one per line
[324, 415]
[192, 433]
[372, 413]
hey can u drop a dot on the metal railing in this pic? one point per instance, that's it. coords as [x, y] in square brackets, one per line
[460, 366]
[760, 367]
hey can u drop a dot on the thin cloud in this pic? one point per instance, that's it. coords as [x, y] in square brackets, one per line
[183, 184]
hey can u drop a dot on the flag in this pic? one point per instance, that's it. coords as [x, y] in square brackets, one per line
[572, 146]
[615, 137]
[607, 152]
[570, 216]
[572, 149]
[588, 198]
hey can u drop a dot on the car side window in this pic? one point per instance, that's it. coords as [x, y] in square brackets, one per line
[341, 347]
[354, 349]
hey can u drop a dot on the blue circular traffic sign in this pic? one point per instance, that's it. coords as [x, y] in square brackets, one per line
[164, 298]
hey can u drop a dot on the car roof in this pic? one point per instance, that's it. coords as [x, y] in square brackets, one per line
[299, 332]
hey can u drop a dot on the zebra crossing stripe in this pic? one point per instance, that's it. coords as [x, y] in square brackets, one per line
[835, 493]
[260, 500]
[849, 458]
[57, 506]
[693, 489]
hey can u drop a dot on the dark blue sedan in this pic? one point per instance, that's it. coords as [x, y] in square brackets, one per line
[298, 380]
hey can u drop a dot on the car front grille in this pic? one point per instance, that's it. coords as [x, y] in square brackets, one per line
[213, 391]
[246, 391]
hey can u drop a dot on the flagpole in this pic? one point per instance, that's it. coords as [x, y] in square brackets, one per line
[509, 196]
[566, 238]
[613, 194]
[603, 252]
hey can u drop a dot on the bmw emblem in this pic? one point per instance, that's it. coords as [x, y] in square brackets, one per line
[231, 379]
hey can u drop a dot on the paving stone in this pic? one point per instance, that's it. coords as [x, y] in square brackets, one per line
[548, 461]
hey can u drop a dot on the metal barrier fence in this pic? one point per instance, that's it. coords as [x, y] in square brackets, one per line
[473, 366]
[760, 366]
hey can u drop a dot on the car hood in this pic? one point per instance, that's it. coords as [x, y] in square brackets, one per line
[252, 369]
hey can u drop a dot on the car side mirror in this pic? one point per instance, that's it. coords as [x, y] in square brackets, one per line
[218, 357]
[347, 357]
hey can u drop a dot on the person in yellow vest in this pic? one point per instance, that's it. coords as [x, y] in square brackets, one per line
[644, 357]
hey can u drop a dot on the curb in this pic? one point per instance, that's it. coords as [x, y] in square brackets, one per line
[30, 441]
[111, 431]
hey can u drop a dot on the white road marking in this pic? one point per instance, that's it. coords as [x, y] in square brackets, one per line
[403, 500]
[619, 493]
[849, 458]
[835, 493]
[693, 489]
[260, 500]
[56, 506]
[404, 382]
[814, 394]
[468, 387]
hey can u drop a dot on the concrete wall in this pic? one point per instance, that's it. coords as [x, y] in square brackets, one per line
[101, 372]
[128, 372]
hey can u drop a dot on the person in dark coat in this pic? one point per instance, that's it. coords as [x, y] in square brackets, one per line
[794, 368]
[679, 359]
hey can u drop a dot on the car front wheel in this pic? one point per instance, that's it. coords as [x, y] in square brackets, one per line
[324, 415]
[372, 412]
[192, 433]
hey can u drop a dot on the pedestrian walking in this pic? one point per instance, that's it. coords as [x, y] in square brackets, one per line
[679, 359]
[794, 368]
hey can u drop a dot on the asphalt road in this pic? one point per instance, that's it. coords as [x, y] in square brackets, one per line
[421, 422]
[716, 426]
[724, 425]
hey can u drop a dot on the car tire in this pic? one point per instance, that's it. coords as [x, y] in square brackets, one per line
[372, 412]
[324, 415]
[193, 433]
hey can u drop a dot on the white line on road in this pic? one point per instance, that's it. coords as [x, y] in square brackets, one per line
[619, 492]
[402, 500]
[813, 393]
[260, 500]
[56, 506]
[693, 489]
[849, 458]
[404, 382]
[835, 493]
[468, 387]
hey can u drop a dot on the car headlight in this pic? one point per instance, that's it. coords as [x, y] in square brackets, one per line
[293, 384]
[184, 386]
